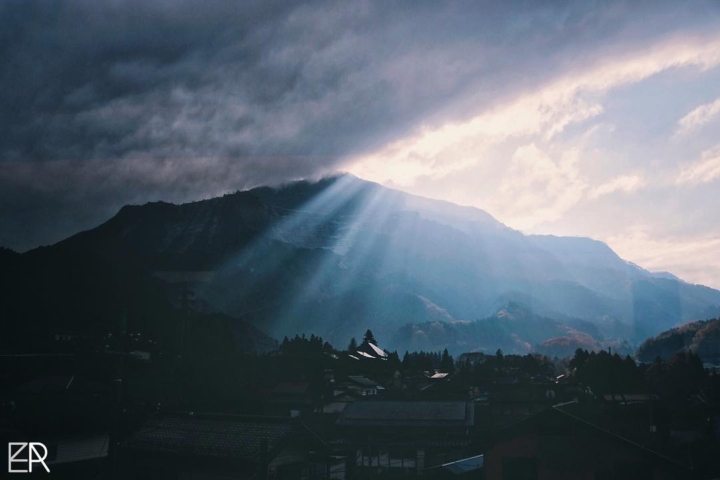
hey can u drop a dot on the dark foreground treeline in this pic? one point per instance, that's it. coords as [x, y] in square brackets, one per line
[118, 388]
[207, 376]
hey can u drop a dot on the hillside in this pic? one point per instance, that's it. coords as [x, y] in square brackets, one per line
[514, 329]
[702, 338]
[334, 258]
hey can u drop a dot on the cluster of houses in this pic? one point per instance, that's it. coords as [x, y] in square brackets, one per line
[426, 426]
[388, 438]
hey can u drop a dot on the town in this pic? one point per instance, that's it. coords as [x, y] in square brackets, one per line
[306, 410]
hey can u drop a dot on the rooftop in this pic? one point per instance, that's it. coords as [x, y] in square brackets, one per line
[364, 381]
[238, 438]
[407, 414]
[291, 388]
[630, 397]
[370, 350]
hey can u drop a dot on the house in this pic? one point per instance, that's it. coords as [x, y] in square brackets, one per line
[470, 467]
[402, 437]
[362, 385]
[628, 398]
[353, 388]
[371, 351]
[291, 399]
[560, 443]
[358, 386]
[339, 401]
[223, 446]
[70, 454]
[509, 403]
[69, 415]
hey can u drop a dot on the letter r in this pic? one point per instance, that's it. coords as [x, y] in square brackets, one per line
[33, 450]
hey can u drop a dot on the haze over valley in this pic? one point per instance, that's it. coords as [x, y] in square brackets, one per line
[340, 255]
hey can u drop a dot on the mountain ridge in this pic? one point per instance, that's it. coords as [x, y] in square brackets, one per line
[701, 337]
[340, 255]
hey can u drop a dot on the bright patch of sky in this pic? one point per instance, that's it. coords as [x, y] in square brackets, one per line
[626, 151]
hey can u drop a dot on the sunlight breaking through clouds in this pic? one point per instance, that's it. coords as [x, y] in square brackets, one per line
[545, 113]
[565, 146]
[537, 188]
[672, 254]
[555, 118]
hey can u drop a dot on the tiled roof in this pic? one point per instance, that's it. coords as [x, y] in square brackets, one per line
[364, 381]
[291, 388]
[379, 352]
[370, 350]
[407, 414]
[233, 438]
[460, 467]
[79, 448]
[630, 397]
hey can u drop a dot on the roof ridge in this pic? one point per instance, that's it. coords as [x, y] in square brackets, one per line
[616, 435]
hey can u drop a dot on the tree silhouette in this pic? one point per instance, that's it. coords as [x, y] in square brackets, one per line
[369, 338]
[446, 362]
[353, 345]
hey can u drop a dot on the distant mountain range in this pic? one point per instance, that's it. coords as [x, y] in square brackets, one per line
[336, 257]
[513, 329]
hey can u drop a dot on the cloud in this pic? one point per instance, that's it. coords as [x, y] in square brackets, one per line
[541, 113]
[698, 117]
[624, 183]
[693, 258]
[536, 188]
[160, 93]
[704, 171]
[61, 197]
[455, 146]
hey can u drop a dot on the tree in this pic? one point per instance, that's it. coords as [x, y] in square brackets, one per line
[353, 345]
[446, 362]
[369, 338]
[393, 360]
[581, 357]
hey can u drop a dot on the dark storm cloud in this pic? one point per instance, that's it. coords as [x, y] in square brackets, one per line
[106, 103]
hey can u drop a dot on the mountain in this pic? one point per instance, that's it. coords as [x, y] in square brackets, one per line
[513, 329]
[702, 338]
[336, 257]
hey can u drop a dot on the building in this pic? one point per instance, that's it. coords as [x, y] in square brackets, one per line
[371, 351]
[290, 399]
[69, 415]
[560, 443]
[223, 446]
[400, 437]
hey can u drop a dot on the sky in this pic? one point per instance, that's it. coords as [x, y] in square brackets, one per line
[598, 119]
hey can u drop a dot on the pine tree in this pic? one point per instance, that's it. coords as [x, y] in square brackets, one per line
[353, 345]
[446, 362]
[369, 338]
